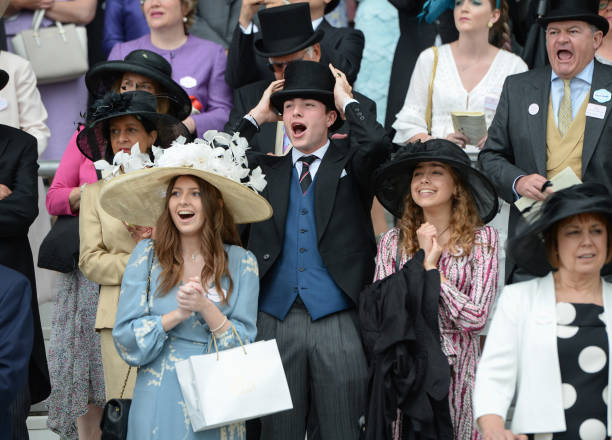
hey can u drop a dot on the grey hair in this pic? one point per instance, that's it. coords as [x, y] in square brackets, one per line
[310, 51]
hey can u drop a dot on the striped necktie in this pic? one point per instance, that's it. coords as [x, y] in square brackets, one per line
[565, 109]
[305, 177]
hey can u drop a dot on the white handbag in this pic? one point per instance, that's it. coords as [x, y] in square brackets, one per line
[233, 385]
[57, 53]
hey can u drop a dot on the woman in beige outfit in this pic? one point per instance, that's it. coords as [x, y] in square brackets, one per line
[121, 122]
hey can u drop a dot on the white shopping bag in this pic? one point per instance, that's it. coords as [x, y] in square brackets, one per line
[233, 385]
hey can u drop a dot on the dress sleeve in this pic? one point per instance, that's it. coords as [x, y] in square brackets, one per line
[410, 121]
[469, 311]
[385, 257]
[95, 261]
[219, 104]
[244, 314]
[65, 180]
[139, 336]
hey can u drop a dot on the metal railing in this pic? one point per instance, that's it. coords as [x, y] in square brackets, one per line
[47, 168]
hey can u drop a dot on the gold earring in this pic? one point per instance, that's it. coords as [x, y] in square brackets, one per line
[490, 24]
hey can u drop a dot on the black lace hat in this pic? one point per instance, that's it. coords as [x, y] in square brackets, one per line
[392, 179]
[285, 30]
[93, 140]
[308, 80]
[527, 246]
[103, 76]
[580, 10]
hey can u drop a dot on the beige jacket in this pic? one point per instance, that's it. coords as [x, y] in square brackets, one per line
[106, 246]
[20, 103]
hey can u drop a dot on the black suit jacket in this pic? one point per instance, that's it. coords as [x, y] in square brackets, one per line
[517, 140]
[19, 172]
[342, 204]
[343, 47]
[247, 97]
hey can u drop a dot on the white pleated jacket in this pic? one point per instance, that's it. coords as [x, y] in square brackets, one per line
[520, 357]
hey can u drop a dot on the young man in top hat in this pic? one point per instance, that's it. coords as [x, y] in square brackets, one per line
[553, 117]
[343, 47]
[317, 251]
[18, 209]
[287, 36]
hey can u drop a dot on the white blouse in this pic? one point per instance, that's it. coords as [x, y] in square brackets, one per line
[449, 94]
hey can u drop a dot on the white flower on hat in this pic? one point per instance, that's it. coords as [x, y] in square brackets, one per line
[135, 160]
[216, 152]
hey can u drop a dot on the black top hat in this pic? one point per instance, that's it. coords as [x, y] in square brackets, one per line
[527, 245]
[580, 10]
[101, 78]
[308, 80]
[331, 6]
[93, 140]
[285, 30]
[4, 77]
[392, 179]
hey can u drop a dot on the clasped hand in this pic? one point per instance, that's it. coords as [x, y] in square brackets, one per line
[191, 297]
[427, 236]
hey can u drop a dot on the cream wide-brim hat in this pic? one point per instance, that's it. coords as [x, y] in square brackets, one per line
[139, 197]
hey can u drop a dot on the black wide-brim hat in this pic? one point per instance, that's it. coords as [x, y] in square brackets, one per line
[527, 246]
[93, 140]
[286, 30]
[579, 10]
[308, 80]
[393, 178]
[101, 78]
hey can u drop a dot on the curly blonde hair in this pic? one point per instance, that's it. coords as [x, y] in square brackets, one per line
[463, 223]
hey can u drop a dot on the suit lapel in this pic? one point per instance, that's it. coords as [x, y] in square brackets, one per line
[326, 183]
[602, 79]
[537, 122]
[279, 181]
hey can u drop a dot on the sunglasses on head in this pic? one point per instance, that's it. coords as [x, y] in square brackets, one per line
[603, 4]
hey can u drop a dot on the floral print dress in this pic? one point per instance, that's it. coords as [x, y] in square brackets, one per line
[158, 410]
[465, 301]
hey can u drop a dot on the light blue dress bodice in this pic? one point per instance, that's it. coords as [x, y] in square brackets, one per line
[158, 410]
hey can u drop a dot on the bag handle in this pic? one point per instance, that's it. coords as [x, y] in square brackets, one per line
[214, 339]
[430, 93]
[37, 19]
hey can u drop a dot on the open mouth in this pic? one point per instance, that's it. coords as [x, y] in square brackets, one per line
[564, 55]
[586, 256]
[298, 129]
[426, 192]
[186, 215]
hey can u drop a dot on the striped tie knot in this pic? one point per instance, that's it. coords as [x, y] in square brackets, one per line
[305, 177]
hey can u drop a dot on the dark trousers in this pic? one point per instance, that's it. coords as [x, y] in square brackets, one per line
[18, 413]
[326, 371]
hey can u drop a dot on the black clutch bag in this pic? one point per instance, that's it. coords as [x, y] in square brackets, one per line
[59, 250]
[114, 422]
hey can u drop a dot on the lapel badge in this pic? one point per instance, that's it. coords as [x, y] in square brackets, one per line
[602, 96]
[534, 109]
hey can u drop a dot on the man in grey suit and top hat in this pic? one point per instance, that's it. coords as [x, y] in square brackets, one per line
[554, 117]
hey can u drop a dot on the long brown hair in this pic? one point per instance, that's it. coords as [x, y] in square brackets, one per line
[464, 220]
[218, 228]
[499, 33]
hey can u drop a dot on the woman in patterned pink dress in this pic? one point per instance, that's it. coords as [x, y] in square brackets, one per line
[443, 203]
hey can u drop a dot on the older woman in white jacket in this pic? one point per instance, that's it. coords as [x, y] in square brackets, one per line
[548, 344]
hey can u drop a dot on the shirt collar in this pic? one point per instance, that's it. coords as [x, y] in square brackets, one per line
[297, 154]
[316, 23]
[586, 75]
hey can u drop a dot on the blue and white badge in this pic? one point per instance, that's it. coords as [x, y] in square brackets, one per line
[3, 104]
[602, 95]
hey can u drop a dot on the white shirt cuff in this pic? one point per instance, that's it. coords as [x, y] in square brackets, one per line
[516, 195]
[252, 120]
[347, 101]
[250, 29]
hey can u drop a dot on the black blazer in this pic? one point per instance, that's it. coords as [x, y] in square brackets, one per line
[19, 171]
[247, 97]
[343, 47]
[517, 140]
[342, 204]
